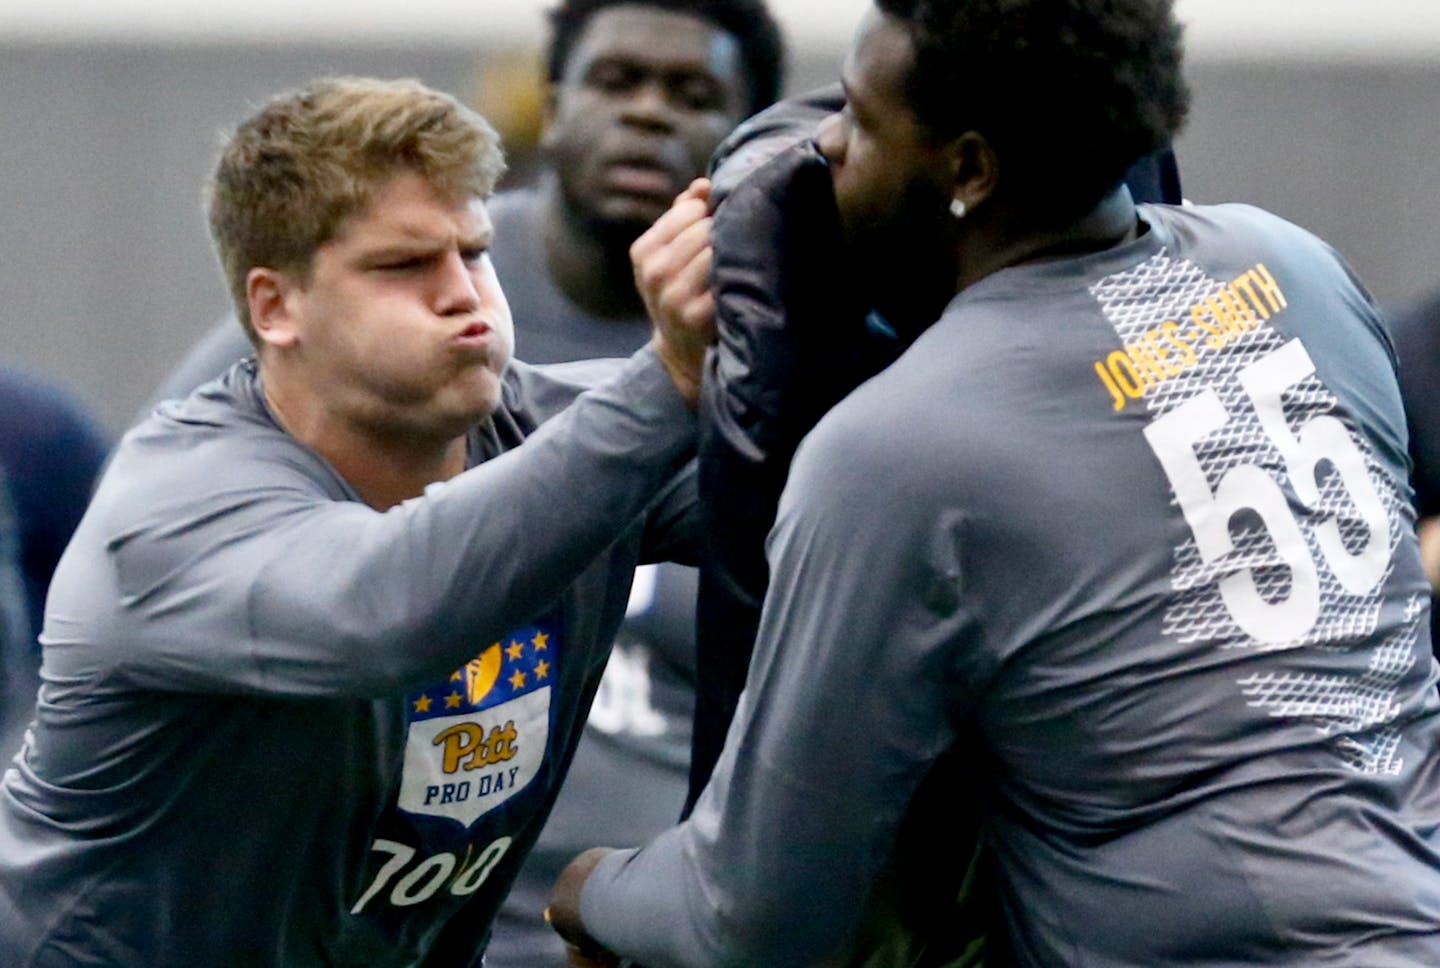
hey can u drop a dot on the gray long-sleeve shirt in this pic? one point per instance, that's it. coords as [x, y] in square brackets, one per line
[278, 727]
[628, 778]
[1130, 534]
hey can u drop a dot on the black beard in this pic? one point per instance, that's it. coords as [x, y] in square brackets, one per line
[907, 264]
[912, 295]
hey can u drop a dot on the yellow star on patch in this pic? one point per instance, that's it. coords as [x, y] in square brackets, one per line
[422, 705]
[517, 681]
[542, 641]
[452, 700]
[515, 651]
[542, 669]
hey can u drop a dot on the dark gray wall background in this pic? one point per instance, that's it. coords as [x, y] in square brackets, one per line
[106, 272]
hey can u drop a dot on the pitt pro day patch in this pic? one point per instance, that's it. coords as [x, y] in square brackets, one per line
[479, 737]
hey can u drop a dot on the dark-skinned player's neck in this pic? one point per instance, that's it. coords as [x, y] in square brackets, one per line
[1113, 221]
[589, 264]
[383, 468]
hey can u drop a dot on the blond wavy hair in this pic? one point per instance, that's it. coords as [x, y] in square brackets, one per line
[291, 175]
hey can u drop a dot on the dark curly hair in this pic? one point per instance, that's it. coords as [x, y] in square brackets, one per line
[1069, 92]
[749, 21]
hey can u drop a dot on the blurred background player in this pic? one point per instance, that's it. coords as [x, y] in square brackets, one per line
[1417, 346]
[18, 677]
[639, 93]
[51, 450]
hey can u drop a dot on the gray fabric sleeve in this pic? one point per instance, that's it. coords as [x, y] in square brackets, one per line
[673, 526]
[845, 709]
[296, 594]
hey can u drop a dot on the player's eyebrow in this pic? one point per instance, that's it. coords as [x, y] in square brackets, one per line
[408, 239]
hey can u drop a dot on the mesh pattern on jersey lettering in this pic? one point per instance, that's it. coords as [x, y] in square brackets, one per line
[1354, 712]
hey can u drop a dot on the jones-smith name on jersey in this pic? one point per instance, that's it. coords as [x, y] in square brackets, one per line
[1169, 349]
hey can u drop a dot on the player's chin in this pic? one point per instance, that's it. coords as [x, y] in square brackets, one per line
[474, 398]
[630, 215]
[449, 421]
[472, 405]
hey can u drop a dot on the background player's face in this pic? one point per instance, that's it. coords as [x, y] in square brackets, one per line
[890, 176]
[645, 98]
[402, 326]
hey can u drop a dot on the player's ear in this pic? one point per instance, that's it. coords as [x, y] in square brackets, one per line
[975, 171]
[273, 296]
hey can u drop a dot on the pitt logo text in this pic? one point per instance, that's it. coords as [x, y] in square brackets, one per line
[479, 737]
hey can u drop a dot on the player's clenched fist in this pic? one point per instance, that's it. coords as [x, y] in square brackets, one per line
[672, 272]
[563, 913]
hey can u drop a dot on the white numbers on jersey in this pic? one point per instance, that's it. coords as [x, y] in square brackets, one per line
[1323, 439]
[430, 875]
